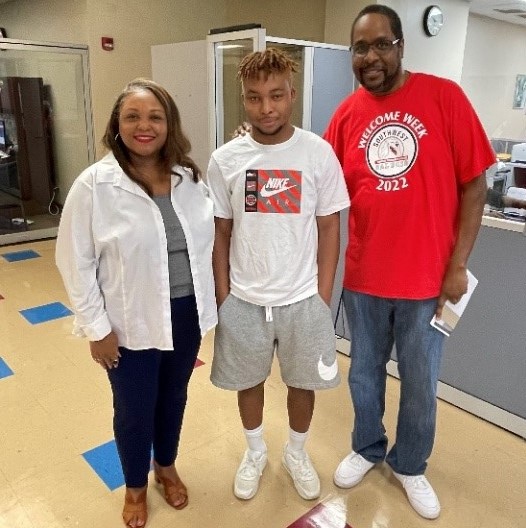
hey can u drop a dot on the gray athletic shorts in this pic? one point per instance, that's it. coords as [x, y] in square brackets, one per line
[302, 334]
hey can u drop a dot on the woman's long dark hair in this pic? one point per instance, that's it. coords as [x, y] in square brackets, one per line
[176, 147]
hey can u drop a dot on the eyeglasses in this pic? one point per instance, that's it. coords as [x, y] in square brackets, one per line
[381, 47]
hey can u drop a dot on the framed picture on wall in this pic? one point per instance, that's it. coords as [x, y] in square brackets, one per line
[519, 97]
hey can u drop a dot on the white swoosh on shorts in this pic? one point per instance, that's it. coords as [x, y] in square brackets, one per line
[266, 193]
[327, 373]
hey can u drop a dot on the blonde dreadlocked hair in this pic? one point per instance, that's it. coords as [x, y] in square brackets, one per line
[271, 60]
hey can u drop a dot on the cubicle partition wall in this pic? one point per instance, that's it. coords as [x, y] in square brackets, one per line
[484, 364]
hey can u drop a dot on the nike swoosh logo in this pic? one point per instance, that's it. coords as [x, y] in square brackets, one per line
[327, 373]
[267, 193]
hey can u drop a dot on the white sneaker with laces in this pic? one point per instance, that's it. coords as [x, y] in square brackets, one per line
[351, 470]
[421, 495]
[246, 483]
[300, 468]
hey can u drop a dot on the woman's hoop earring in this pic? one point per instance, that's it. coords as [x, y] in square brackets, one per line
[116, 136]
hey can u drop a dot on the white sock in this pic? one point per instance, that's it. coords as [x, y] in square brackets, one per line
[255, 439]
[297, 440]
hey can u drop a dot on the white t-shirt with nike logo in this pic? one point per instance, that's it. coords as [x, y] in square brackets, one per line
[273, 194]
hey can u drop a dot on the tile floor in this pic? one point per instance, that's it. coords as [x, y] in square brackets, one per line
[58, 467]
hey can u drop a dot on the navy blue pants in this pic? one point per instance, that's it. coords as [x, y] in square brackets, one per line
[149, 396]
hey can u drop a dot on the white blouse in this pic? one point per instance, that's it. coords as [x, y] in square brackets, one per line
[111, 252]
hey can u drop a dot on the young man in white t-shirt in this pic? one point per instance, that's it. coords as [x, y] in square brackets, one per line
[277, 193]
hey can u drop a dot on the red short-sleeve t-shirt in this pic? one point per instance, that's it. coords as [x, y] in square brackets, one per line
[405, 157]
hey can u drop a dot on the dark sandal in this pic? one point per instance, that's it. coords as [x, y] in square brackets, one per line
[135, 508]
[173, 491]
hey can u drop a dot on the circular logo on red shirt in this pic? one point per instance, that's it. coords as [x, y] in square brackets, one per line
[392, 151]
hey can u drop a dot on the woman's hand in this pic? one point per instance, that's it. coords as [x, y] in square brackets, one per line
[106, 351]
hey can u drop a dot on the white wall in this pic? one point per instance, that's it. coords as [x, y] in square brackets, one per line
[46, 20]
[181, 69]
[294, 19]
[442, 55]
[495, 54]
[339, 16]
[136, 25]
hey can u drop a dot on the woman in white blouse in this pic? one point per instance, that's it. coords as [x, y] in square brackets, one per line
[134, 249]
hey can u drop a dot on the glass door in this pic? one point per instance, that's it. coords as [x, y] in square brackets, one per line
[46, 136]
[225, 51]
[301, 54]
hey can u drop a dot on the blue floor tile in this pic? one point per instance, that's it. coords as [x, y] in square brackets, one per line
[15, 256]
[4, 369]
[46, 312]
[104, 460]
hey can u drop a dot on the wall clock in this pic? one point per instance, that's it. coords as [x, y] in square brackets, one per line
[433, 20]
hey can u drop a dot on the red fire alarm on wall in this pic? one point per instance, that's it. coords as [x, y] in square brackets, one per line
[107, 43]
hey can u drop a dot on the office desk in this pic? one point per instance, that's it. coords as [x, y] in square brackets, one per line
[9, 176]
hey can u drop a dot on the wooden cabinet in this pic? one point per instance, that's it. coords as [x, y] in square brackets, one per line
[27, 171]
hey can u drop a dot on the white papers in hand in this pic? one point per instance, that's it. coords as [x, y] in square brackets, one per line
[451, 312]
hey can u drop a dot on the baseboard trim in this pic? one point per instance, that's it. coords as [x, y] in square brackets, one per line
[28, 236]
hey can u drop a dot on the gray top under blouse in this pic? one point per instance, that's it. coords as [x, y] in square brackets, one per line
[181, 283]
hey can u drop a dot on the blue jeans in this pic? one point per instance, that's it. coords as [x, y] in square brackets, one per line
[149, 396]
[376, 324]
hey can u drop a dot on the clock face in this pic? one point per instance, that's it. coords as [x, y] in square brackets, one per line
[433, 20]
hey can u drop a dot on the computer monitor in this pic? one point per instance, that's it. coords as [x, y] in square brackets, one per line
[2, 135]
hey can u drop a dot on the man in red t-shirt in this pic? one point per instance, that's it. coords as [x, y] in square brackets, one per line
[414, 155]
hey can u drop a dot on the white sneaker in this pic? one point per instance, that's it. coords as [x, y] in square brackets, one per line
[421, 495]
[305, 477]
[246, 483]
[351, 470]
